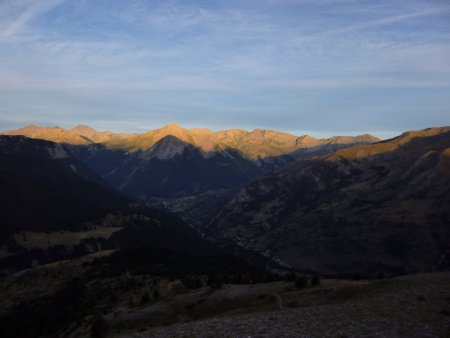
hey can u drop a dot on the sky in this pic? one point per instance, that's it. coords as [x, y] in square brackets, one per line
[318, 67]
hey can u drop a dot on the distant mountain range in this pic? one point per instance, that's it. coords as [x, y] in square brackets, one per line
[256, 144]
[176, 162]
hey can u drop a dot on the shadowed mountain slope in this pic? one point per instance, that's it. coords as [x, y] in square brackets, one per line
[378, 207]
[54, 207]
[169, 168]
[44, 187]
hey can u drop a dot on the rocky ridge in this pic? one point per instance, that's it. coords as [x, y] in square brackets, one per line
[253, 144]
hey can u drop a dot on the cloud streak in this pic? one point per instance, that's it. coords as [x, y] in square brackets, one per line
[375, 23]
[29, 10]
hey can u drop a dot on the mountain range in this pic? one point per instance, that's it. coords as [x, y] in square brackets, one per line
[256, 144]
[176, 162]
[339, 206]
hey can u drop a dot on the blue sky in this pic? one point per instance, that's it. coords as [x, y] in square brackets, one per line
[301, 66]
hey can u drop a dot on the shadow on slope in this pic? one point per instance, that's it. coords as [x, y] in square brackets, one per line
[379, 207]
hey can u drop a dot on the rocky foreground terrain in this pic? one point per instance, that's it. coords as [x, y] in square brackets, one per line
[85, 303]
[409, 306]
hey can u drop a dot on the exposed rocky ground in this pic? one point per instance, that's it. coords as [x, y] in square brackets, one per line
[409, 306]
[83, 301]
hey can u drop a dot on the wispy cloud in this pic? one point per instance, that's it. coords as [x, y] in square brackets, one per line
[373, 23]
[21, 13]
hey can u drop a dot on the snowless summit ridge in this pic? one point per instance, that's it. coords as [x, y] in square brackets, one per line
[258, 143]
